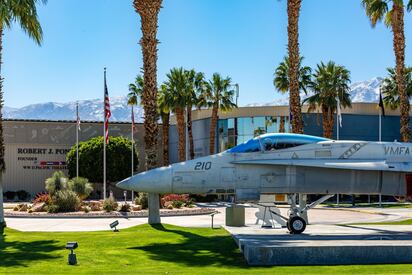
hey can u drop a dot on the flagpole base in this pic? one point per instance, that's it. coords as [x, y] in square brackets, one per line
[154, 208]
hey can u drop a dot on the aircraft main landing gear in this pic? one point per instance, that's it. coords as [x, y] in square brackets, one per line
[296, 223]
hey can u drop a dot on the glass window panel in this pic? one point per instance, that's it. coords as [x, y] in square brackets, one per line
[222, 127]
[259, 126]
[248, 126]
[272, 125]
[287, 124]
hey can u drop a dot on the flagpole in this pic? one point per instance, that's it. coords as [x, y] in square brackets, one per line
[77, 139]
[104, 138]
[337, 126]
[132, 150]
[380, 124]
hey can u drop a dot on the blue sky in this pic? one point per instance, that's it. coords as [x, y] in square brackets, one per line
[244, 39]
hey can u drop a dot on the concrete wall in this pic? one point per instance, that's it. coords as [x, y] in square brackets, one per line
[35, 149]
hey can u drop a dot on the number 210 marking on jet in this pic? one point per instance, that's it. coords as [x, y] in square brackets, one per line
[203, 165]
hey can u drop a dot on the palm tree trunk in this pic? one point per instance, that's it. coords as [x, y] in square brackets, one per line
[165, 137]
[180, 117]
[2, 161]
[331, 121]
[190, 131]
[399, 49]
[213, 124]
[325, 122]
[282, 124]
[149, 11]
[293, 50]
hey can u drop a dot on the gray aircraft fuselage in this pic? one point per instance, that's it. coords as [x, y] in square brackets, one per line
[285, 164]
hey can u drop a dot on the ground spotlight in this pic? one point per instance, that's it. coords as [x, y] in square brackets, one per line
[72, 256]
[113, 225]
[213, 215]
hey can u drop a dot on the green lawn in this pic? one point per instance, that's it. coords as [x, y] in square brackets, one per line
[146, 249]
[404, 222]
[376, 205]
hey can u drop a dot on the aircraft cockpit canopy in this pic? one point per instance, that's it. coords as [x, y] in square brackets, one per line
[271, 142]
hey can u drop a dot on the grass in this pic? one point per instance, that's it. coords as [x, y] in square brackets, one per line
[384, 205]
[145, 249]
[404, 222]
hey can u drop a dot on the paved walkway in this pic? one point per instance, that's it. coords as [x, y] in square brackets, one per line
[318, 217]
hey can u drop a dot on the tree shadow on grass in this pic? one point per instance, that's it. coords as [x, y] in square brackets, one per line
[17, 253]
[195, 250]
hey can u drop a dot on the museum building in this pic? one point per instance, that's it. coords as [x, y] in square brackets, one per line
[37, 148]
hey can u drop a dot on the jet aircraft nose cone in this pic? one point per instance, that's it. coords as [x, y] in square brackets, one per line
[158, 180]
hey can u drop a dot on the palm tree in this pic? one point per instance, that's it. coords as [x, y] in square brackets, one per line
[164, 103]
[218, 95]
[195, 83]
[23, 12]
[281, 80]
[330, 81]
[293, 72]
[393, 16]
[176, 88]
[149, 11]
[135, 91]
[390, 88]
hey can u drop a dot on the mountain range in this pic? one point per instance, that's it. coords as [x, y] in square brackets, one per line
[364, 91]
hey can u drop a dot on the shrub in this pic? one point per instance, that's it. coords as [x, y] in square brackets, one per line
[57, 182]
[52, 208]
[22, 195]
[81, 186]
[143, 200]
[176, 200]
[125, 207]
[66, 201]
[110, 204]
[42, 197]
[10, 195]
[118, 153]
[177, 204]
[86, 209]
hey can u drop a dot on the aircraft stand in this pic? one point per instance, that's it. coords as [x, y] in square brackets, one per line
[298, 215]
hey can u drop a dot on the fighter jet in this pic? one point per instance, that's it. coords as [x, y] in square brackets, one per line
[291, 164]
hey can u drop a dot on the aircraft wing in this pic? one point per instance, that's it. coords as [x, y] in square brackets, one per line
[379, 165]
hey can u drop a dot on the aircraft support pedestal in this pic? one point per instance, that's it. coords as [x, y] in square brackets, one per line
[154, 208]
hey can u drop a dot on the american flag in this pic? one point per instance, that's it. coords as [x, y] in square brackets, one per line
[107, 113]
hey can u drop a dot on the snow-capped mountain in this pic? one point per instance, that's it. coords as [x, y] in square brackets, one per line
[366, 91]
[88, 109]
[363, 91]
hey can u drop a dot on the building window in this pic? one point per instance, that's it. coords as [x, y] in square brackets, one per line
[235, 131]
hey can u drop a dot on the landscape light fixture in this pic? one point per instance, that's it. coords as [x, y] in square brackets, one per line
[113, 225]
[72, 256]
[213, 215]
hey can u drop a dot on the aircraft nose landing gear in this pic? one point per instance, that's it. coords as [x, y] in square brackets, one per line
[296, 225]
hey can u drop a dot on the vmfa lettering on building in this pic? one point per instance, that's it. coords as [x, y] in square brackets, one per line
[35, 149]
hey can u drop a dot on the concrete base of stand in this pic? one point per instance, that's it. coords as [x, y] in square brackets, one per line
[154, 208]
[330, 251]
